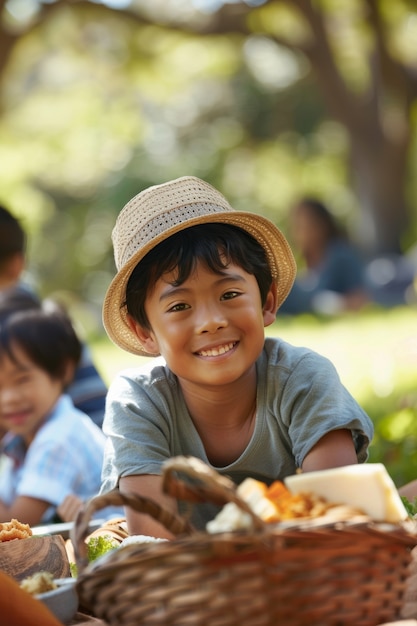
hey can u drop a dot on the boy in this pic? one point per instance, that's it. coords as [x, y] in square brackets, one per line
[197, 283]
[88, 390]
[51, 449]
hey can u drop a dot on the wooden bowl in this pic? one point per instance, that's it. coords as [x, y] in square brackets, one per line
[22, 558]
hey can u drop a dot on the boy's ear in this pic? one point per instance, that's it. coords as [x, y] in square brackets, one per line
[144, 335]
[270, 307]
[12, 270]
[69, 373]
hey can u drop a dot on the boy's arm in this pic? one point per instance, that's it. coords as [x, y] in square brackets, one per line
[335, 449]
[25, 509]
[147, 486]
[409, 490]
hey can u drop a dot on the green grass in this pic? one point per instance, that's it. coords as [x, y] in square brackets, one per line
[375, 353]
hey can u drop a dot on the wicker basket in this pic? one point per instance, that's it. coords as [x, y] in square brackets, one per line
[321, 572]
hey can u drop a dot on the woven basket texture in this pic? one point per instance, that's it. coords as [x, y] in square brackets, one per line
[323, 572]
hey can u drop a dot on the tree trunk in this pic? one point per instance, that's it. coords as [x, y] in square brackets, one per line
[378, 177]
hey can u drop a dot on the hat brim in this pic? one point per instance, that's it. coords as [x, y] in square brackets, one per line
[279, 254]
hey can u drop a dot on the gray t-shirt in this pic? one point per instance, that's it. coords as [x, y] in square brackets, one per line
[299, 399]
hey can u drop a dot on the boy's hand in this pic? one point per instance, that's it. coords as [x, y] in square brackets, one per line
[147, 486]
[69, 508]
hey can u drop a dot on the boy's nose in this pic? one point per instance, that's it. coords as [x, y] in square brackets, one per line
[210, 319]
[8, 396]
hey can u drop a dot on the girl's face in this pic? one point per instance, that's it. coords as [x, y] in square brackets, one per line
[27, 395]
[308, 231]
[209, 329]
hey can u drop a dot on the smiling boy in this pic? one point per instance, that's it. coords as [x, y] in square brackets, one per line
[197, 284]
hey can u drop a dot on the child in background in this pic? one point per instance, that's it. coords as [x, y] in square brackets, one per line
[87, 390]
[197, 283]
[51, 449]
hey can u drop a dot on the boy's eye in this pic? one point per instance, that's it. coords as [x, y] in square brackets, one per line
[23, 378]
[229, 295]
[181, 306]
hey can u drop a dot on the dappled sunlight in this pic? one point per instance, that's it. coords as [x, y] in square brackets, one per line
[403, 426]
[382, 374]
[375, 353]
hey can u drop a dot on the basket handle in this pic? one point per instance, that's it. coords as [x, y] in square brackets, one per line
[80, 530]
[207, 486]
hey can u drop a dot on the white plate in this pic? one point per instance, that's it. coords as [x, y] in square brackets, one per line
[64, 528]
[62, 601]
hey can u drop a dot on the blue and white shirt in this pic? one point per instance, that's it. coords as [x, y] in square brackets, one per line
[65, 457]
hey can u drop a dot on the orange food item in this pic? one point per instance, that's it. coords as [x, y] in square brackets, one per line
[288, 505]
[272, 504]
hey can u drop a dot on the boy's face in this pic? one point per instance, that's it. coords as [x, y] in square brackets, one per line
[209, 329]
[27, 395]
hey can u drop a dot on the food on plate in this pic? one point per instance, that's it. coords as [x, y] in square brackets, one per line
[14, 530]
[115, 527]
[19, 608]
[135, 539]
[98, 546]
[40, 582]
[367, 487]
[272, 504]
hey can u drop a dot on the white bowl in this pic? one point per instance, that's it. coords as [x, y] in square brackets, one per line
[62, 601]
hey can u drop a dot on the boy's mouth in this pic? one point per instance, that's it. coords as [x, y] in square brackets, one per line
[16, 419]
[218, 350]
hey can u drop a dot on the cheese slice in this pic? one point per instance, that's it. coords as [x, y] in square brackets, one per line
[366, 486]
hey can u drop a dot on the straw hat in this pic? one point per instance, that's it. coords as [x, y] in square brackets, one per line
[162, 210]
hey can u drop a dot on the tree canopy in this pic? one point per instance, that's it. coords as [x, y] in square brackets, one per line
[267, 100]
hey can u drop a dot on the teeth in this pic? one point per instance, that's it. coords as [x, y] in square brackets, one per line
[217, 351]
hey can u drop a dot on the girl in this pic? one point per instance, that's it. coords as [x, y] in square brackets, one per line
[51, 449]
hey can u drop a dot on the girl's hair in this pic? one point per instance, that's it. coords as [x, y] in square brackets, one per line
[323, 216]
[215, 245]
[47, 337]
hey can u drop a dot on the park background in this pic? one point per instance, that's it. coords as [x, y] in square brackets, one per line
[267, 100]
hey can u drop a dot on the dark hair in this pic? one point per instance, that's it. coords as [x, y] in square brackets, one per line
[47, 337]
[12, 235]
[215, 245]
[322, 214]
[16, 299]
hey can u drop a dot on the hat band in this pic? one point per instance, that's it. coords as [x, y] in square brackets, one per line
[162, 224]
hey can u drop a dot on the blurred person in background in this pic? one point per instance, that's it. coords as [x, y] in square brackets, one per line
[332, 278]
[88, 390]
[12, 249]
[51, 450]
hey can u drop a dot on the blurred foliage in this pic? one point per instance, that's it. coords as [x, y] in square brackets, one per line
[98, 103]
